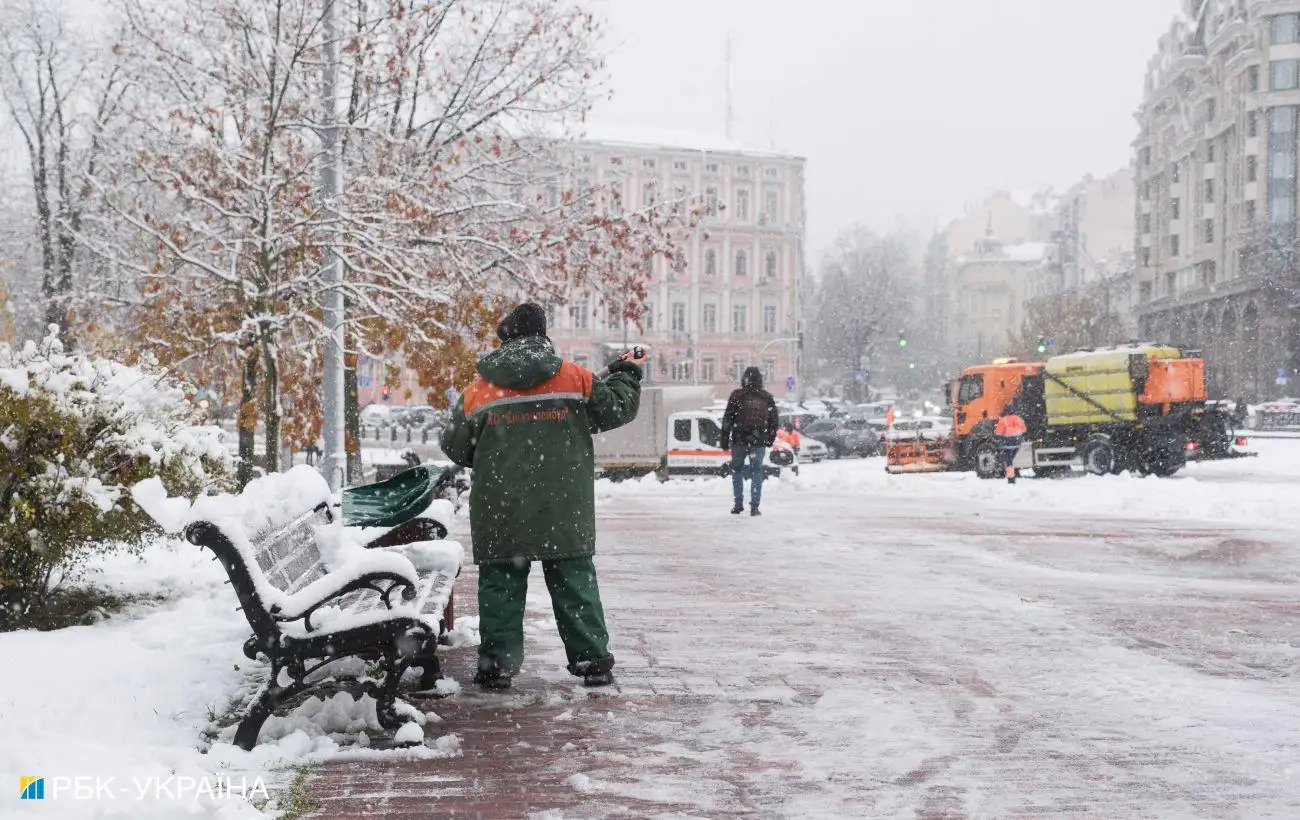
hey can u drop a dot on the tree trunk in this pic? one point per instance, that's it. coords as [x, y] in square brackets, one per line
[247, 418]
[272, 413]
[351, 419]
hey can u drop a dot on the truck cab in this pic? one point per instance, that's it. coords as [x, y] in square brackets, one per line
[983, 391]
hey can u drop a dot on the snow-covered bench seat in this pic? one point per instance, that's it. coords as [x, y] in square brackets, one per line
[386, 605]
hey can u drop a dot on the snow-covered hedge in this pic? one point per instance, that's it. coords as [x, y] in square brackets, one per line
[75, 432]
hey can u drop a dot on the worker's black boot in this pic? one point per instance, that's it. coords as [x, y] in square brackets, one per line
[738, 508]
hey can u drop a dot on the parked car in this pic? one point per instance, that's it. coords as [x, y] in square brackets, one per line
[845, 436]
[376, 415]
[812, 451]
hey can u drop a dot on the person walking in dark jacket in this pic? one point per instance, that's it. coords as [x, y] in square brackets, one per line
[525, 427]
[748, 429]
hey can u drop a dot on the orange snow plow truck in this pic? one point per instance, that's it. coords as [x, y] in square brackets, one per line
[1135, 407]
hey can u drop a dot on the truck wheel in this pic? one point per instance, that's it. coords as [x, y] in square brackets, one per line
[987, 463]
[1099, 456]
[1164, 460]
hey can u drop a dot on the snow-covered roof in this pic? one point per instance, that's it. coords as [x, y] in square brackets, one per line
[671, 140]
[1027, 251]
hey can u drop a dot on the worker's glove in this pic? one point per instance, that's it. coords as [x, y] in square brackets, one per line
[626, 367]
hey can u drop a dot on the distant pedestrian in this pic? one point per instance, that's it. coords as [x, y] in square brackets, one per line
[1241, 414]
[525, 427]
[748, 429]
[790, 436]
[1010, 434]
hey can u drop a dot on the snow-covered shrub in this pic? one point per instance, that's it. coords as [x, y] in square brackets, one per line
[75, 433]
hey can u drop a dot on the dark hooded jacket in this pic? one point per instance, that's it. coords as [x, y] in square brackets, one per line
[525, 427]
[751, 416]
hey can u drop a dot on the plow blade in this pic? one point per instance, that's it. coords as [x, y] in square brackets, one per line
[918, 456]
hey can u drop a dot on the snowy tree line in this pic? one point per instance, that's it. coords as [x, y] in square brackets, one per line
[166, 200]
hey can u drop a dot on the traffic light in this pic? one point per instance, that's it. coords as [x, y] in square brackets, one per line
[911, 365]
[801, 340]
[1042, 345]
[902, 339]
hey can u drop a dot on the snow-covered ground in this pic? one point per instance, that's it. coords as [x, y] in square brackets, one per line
[936, 645]
[875, 645]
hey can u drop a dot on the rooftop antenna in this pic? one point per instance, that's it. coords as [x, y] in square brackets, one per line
[728, 87]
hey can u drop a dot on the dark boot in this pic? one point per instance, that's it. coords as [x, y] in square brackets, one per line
[491, 676]
[754, 510]
[738, 508]
[598, 679]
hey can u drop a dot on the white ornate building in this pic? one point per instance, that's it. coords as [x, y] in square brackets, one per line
[1216, 163]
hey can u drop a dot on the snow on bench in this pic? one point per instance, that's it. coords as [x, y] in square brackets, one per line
[312, 595]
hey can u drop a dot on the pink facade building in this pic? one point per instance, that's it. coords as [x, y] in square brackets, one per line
[736, 302]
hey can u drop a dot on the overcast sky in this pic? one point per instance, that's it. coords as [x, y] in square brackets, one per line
[904, 108]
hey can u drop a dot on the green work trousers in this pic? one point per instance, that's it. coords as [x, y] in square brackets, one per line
[575, 597]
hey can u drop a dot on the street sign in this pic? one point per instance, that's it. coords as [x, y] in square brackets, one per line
[363, 381]
[451, 394]
[859, 376]
[789, 383]
[1281, 377]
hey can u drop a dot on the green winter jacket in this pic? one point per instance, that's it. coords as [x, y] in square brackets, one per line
[525, 427]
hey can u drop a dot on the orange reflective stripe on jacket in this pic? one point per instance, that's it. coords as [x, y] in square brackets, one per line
[1010, 426]
[571, 383]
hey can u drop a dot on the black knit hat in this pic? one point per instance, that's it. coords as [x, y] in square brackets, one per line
[526, 320]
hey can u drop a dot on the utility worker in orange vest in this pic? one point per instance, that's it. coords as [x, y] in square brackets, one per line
[790, 436]
[1010, 433]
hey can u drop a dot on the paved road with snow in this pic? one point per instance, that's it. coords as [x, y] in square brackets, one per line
[913, 646]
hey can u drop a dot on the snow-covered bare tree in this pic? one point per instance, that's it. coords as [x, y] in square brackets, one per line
[862, 303]
[457, 199]
[63, 93]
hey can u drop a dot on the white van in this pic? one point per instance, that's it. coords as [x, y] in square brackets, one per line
[695, 448]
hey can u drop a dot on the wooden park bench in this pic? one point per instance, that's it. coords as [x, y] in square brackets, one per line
[379, 605]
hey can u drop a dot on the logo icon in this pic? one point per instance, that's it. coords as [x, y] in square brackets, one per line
[31, 787]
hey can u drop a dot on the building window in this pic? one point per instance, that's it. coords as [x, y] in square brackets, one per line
[711, 201]
[1173, 245]
[742, 262]
[1283, 75]
[1209, 190]
[740, 318]
[711, 262]
[1209, 272]
[708, 370]
[1171, 283]
[681, 372]
[615, 160]
[679, 193]
[1146, 223]
[1211, 109]
[1252, 124]
[1252, 167]
[1175, 208]
[648, 194]
[648, 316]
[1146, 157]
[615, 317]
[737, 366]
[579, 313]
[647, 163]
[769, 318]
[711, 168]
[742, 204]
[1209, 151]
[677, 318]
[1252, 78]
[769, 371]
[1146, 257]
[769, 265]
[1286, 29]
[770, 173]
[679, 165]
[1177, 175]
[1144, 292]
[1146, 191]
[1250, 212]
[1209, 231]
[771, 204]
[742, 170]
[1281, 210]
[709, 317]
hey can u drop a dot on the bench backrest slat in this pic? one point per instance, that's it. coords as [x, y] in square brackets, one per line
[289, 556]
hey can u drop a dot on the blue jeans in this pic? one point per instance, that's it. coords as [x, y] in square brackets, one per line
[747, 462]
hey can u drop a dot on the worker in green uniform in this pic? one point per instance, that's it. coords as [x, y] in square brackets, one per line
[525, 427]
